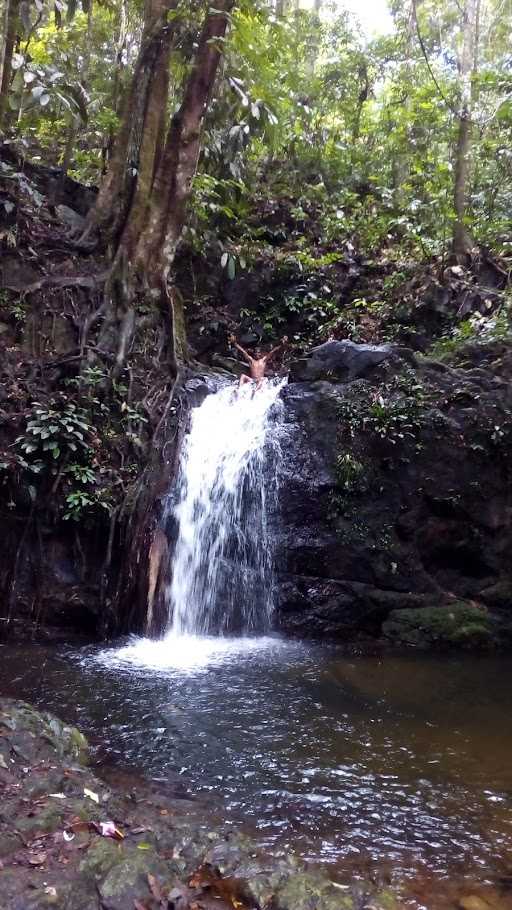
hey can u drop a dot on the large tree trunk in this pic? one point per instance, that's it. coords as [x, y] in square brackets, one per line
[462, 241]
[132, 166]
[155, 249]
[166, 208]
[362, 98]
[9, 32]
[145, 238]
[400, 165]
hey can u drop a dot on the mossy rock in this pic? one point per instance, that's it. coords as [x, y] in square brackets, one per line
[127, 880]
[101, 856]
[35, 735]
[307, 891]
[457, 625]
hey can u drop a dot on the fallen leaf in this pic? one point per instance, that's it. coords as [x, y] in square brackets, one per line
[37, 859]
[154, 887]
[90, 793]
[3, 763]
[108, 829]
[140, 830]
[57, 795]
[229, 889]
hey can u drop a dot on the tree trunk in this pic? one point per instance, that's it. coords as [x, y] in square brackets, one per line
[462, 241]
[132, 166]
[116, 102]
[9, 29]
[145, 240]
[165, 210]
[400, 165]
[362, 98]
[314, 48]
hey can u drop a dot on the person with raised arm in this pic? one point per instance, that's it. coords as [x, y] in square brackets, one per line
[257, 363]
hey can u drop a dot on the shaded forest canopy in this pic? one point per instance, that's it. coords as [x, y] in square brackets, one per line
[172, 171]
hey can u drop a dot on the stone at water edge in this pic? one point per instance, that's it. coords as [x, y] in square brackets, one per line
[457, 624]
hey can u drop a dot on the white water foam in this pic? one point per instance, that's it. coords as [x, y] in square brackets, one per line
[186, 654]
[221, 565]
[222, 562]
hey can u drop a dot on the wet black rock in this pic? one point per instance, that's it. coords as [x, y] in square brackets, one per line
[395, 495]
[339, 360]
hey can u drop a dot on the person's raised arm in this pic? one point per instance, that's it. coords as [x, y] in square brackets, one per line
[242, 350]
[278, 347]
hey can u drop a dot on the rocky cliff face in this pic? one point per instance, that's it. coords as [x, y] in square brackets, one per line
[396, 517]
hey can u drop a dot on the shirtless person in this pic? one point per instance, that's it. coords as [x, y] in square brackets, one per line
[257, 364]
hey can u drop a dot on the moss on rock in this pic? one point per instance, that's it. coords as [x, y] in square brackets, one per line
[455, 625]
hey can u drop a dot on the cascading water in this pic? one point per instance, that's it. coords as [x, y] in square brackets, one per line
[222, 560]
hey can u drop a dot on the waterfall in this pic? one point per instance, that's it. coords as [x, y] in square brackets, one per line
[221, 572]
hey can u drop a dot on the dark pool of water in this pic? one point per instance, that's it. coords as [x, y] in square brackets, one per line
[394, 765]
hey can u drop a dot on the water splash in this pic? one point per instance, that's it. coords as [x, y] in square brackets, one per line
[222, 561]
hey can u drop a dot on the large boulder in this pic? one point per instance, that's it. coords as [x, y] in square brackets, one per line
[342, 360]
[395, 496]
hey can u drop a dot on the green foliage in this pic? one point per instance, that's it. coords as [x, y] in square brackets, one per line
[352, 138]
[476, 328]
[57, 431]
[87, 443]
[58, 444]
[68, 81]
[351, 474]
[394, 411]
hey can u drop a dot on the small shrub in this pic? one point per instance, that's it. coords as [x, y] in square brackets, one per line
[351, 474]
[394, 412]
[54, 431]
